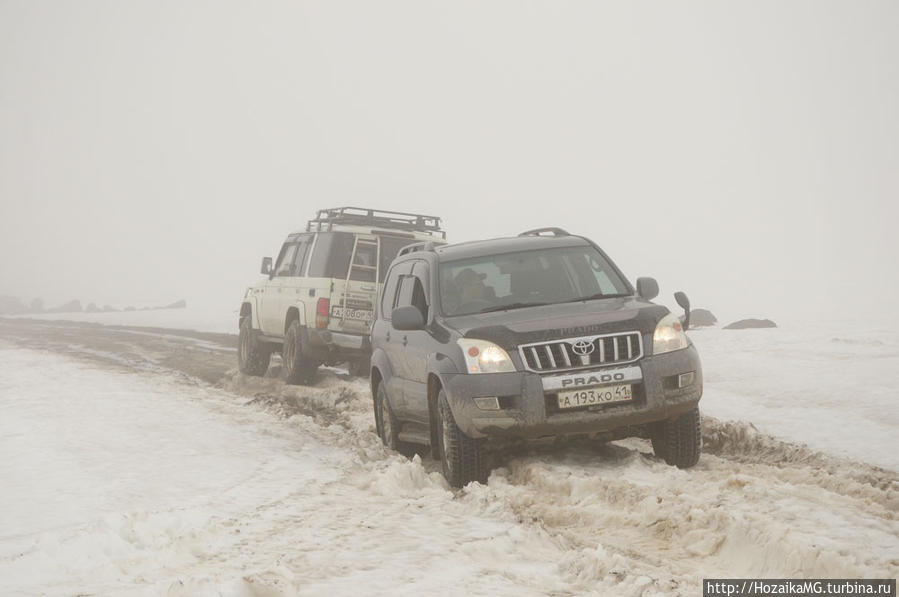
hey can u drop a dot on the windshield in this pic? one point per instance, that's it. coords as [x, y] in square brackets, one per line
[527, 278]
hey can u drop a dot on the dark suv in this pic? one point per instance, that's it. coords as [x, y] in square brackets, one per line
[528, 337]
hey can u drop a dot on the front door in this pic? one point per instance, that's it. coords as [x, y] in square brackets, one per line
[272, 319]
[417, 345]
[293, 292]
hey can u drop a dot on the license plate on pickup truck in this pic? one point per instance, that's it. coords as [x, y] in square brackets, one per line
[592, 396]
[353, 314]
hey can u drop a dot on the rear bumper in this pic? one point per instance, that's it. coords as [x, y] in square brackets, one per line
[335, 344]
[529, 401]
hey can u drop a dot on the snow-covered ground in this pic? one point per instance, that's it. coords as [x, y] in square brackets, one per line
[122, 477]
[834, 388]
[831, 386]
[200, 318]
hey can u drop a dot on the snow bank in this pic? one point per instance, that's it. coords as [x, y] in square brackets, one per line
[832, 387]
[203, 318]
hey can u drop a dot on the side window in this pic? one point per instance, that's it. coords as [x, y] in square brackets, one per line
[285, 259]
[299, 264]
[412, 291]
[419, 294]
[391, 293]
[404, 296]
[418, 297]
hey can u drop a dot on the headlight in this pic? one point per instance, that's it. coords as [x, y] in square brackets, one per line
[485, 357]
[669, 335]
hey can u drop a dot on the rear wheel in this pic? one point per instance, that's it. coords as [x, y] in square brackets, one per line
[253, 355]
[679, 442]
[299, 366]
[359, 367]
[462, 456]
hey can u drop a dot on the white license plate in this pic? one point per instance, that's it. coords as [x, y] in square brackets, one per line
[354, 314]
[591, 396]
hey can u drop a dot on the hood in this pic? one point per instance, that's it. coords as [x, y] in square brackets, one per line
[552, 322]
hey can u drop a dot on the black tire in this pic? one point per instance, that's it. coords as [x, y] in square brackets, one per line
[359, 367]
[298, 365]
[679, 442]
[253, 356]
[462, 457]
[385, 421]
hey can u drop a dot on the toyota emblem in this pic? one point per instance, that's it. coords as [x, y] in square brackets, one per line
[582, 347]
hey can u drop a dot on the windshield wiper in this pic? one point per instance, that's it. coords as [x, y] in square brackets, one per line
[594, 297]
[511, 306]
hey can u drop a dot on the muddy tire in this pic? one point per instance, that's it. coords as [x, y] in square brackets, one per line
[679, 442]
[385, 421]
[253, 355]
[298, 366]
[359, 367]
[462, 456]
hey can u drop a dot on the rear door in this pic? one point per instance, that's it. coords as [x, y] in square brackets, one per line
[390, 339]
[353, 299]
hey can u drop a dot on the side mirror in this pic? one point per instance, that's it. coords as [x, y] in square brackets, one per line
[684, 302]
[408, 318]
[266, 266]
[647, 288]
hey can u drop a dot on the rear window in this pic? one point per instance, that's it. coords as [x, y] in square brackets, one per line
[331, 256]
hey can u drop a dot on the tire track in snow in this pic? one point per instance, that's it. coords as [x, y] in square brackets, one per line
[754, 506]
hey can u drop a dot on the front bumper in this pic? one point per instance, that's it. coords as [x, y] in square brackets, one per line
[529, 408]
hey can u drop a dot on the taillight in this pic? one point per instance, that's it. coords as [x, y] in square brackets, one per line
[322, 312]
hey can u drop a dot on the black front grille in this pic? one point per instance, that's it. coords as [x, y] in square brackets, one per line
[582, 353]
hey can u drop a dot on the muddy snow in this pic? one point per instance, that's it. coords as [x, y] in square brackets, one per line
[143, 463]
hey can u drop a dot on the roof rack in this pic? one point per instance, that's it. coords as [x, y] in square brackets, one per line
[540, 231]
[416, 247]
[325, 219]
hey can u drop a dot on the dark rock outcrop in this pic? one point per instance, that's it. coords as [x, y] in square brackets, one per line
[745, 324]
[701, 318]
[69, 307]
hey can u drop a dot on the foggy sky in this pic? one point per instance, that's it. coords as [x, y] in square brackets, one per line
[745, 153]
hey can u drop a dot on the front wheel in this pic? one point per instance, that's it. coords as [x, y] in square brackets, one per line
[253, 356]
[299, 366]
[385, 421]
[462, 456]
[679, 442]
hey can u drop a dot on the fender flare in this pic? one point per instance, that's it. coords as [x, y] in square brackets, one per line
[254, 311]
[439, 367]
[300, 308]
[381, 364]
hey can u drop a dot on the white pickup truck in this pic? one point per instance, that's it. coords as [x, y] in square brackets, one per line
[316, 303]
